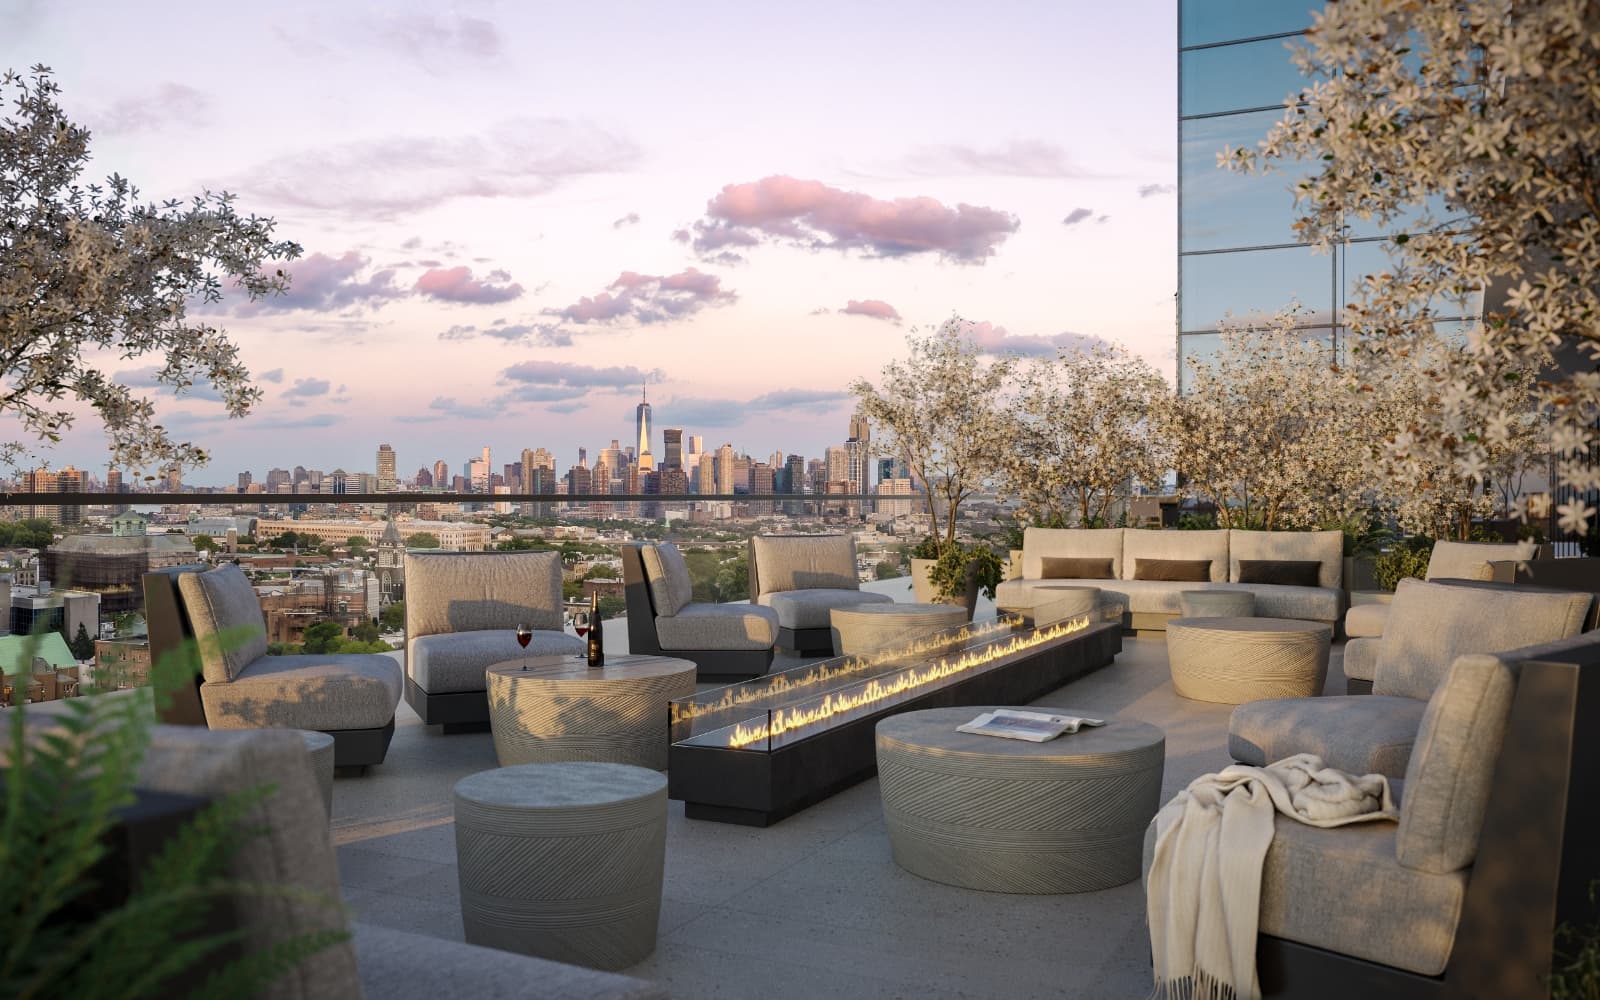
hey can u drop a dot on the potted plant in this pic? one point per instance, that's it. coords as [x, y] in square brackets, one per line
[923, 556]
[960, 574]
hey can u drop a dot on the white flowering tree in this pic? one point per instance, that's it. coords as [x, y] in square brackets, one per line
[90, 274]
[940, 411]
[1081, 434]
[1471, 127]
[1269, 433]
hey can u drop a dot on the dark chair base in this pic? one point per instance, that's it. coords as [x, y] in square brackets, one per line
[454, 710]
[719, 664]
[807, 641]
[357, 748]
[1355, 685]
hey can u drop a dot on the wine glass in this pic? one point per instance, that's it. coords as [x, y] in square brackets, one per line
[580, 625]
[524, 634]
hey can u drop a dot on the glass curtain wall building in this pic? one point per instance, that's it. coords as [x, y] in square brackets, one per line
[1236, 251]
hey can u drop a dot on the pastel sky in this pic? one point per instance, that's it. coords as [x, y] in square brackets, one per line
[512, 214]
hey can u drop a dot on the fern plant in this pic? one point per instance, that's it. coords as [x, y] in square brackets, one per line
[62, 792]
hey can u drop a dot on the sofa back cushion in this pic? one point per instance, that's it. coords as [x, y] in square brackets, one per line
[1470, 560]
[1074, 543]
[1326, 547]
[293, 850]
[671, 590]
[1069, 568]
[473, 591]
[1430, 624]
[1140, 544]
[802, 562]
[1452, 764]
[227, 621]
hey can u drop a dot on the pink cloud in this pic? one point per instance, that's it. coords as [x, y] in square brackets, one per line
[813, 215]
[324, 283]
[649, 298]
[875, 308]
[992, 339]
[456, 284]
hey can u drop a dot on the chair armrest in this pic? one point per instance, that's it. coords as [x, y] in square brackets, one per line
[1360, 657]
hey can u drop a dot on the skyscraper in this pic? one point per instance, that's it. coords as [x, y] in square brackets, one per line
[386, 477]
[441, 474]
[672, 445]
[642, 422]
[726, 469]
[705, 480]
[477, 474]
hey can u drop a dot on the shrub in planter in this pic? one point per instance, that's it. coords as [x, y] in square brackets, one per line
[1406, 558]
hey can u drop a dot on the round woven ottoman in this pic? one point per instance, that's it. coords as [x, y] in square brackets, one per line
[321, 747]
[1057, 604]
[1234, 660]
[559, 708]
[1002, 815]
[1217, 603]
[563, 861]
[866, 627]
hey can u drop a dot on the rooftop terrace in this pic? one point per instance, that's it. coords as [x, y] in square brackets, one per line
[813, 905]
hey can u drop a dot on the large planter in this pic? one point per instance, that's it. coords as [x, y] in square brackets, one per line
[1360, 573]
[925, 592]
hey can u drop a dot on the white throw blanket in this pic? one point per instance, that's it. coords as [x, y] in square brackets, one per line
[1203, 893]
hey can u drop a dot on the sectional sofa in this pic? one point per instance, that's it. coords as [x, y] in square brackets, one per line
[1137, 565]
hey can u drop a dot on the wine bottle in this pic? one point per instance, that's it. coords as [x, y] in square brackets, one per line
[597, 645]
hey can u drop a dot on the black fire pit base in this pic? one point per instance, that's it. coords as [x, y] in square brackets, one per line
[756, 787]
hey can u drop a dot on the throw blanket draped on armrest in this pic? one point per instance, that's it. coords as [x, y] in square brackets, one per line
[1203, 895]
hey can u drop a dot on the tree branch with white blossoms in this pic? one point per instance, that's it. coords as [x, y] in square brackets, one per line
[89, 269]
[940, 411]
[1472, 129]
[1082, 434]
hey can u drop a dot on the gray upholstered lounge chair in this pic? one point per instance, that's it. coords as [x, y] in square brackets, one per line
[1448, 561]
[803, 578]
[1430, 624]
[723, 640]
[213, 620]
[462, 613]
[1493, 851]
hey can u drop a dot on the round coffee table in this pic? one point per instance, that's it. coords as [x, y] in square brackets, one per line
[1002, 815]
[561, 709]
[563, 861]
[866, 627]
[1234, 660]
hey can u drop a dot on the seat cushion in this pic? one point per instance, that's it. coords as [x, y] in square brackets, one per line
[455, 661]
[227, 621]
[468, 591]
[314, 691]
[802, 562]
[293, 850]
[811, 608]
[1362, 734]
[1142, 545]
[718, 626]
[1470, 560]
[1453, 763]
[1430, 624]
[1365, 620]
[1361, 658]
[671, 589]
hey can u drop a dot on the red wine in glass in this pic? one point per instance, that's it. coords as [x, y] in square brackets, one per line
[580, 625]
[524, 634]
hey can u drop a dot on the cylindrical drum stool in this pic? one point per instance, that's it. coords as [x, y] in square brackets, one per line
[866, 627]
[1005, 815]
[1058, 604]
[321, 747]
[1235, 660]
[1217, 603]
[563, 861]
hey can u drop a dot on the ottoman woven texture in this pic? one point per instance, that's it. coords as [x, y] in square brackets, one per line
[867, 627]
[1011, 816]
[563, 861]
[1235, 660]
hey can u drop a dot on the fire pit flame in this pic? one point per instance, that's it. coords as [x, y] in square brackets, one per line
[785, 720]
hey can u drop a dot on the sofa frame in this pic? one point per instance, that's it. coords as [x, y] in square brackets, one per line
[1537, 855]
[642, 638]
[171, 634]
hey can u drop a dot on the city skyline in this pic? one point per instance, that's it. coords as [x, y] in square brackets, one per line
[503, 239]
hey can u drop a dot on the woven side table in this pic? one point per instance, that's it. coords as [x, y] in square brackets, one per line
[1011, 816]
[561, 709]
[866, 627]
[563, 861]
[321, 747]
[1234, 660]
[1217, 603]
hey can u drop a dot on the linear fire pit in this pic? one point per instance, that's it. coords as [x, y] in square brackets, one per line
[756, 752]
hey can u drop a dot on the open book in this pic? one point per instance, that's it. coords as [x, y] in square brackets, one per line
[1036, 727]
